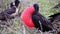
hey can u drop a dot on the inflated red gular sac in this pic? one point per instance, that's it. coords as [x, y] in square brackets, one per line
[31, 18]
[27, 16]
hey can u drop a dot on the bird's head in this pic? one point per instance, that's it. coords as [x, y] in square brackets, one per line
[15, 3]
[36, 7]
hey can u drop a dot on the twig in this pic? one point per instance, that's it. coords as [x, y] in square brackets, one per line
[24, 30]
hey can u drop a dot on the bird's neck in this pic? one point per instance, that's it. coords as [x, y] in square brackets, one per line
[35, 13]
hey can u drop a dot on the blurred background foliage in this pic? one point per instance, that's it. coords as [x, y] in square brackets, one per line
[46, 9]
[46, 6]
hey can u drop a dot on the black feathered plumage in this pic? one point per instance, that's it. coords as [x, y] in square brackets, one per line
[6, 14]
[52, 17]
[9, 11]
[36, 17]
[57, 6]
[15, 3]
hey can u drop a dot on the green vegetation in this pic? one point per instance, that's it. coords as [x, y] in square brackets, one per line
[46, 6]
[46, 9]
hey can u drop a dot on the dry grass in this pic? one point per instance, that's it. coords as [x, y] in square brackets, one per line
[17, 27]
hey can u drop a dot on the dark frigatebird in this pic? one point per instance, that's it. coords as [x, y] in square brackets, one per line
[32, 18]
[9, 13]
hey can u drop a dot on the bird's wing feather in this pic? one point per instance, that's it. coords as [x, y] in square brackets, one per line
[35, 19]
[38, 24]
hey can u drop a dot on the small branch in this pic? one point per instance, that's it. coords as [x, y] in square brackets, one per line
[24, 30]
